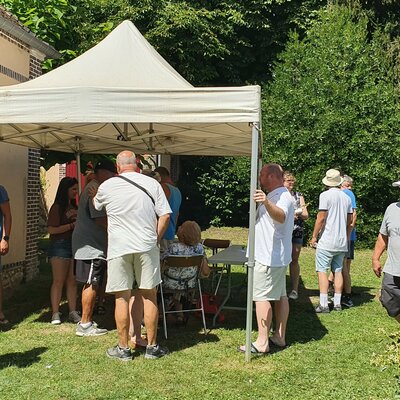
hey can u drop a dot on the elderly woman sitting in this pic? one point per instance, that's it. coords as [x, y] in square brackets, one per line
[189, 236]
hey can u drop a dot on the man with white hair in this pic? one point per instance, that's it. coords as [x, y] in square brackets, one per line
[347, 187]
[138, 214]
[333, 225]
[389, 239]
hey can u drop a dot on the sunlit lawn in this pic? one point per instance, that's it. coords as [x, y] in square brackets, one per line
[330, 356]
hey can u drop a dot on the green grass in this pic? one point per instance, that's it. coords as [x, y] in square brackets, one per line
[330, 356]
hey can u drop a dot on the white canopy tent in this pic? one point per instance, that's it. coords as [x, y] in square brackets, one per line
[122, 94]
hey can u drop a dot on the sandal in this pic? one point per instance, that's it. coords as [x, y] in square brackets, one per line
[253, 350]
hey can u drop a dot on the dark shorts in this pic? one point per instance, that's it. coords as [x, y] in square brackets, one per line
[390, 294]
[296, 240]
[91, 272]
[61, 248]
[350, 252]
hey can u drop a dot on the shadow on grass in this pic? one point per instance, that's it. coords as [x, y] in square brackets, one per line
[23, 359]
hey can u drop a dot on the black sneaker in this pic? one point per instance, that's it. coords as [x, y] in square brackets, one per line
[119, 353]
[153, 352]
[346, 301]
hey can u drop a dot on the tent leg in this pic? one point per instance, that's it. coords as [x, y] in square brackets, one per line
[78, 172]
[252, 225]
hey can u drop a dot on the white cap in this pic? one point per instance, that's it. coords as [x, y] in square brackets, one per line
[396, 184]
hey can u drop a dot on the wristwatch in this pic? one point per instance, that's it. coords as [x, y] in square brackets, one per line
[6, 238]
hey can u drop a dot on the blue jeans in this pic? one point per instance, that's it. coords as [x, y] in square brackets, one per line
[61, 248]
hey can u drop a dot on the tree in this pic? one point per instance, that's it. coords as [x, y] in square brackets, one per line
[334, 102]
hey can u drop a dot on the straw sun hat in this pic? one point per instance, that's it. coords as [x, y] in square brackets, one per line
[332, 178]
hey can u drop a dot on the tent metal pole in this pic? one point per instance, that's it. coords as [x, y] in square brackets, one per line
[78, 171]
[252, 226]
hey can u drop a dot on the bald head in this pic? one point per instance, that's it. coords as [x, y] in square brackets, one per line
[126, 161]
[271, 176]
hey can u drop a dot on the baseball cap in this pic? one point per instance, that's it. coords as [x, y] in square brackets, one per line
[106, 164]
[396, 184]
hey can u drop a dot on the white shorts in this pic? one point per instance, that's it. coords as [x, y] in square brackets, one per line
[140, 268]
[269, 282]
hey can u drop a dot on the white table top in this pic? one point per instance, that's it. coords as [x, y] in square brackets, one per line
[233, 255]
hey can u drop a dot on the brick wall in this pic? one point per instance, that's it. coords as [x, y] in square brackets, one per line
[15, 273]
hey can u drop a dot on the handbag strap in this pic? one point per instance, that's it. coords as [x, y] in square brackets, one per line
[138, 186]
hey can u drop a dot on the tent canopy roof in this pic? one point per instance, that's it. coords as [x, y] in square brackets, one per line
[122, 94]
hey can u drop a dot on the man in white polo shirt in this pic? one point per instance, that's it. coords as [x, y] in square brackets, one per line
[273, 253]
[333, 224]
[138, 215]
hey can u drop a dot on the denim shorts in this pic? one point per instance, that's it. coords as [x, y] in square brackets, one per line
[325, 260]
[297, 241]
[61, 248]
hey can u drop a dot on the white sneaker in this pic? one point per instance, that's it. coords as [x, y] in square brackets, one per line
[56, 318]
[74, 317]
[293, 295]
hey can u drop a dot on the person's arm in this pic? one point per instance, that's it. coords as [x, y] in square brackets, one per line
[349, 226]
[7, 221]
[167, 190]
[275, 212]
[162, 225]
[380, 247]
[304, 213]
[54, 230]
[319, 223]
[353, 219]
[102, 222]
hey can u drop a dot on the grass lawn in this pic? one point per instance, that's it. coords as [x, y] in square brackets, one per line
[331, 356]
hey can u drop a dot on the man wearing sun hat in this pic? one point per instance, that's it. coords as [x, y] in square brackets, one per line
[333, 225]
[389, 239]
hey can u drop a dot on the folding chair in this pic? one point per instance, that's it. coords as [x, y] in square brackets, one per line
[185, 283]
[215, 245]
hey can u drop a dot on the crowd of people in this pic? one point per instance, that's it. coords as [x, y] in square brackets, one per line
[115, 239]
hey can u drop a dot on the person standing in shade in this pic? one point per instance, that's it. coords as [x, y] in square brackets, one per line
[273, 252]
[138, 214]
[389, 239]
[60, 224]
[347, 187]
[89, 246]
[5, 231]
[174, 197]
[300, 215]
[333, 225]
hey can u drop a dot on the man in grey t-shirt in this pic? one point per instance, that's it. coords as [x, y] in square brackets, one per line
[389, 239]
[89, 246]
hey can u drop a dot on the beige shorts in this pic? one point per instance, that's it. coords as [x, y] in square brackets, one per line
[269, 282]
[140, 268]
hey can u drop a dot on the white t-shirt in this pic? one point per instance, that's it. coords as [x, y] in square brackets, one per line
[334, 233]
[131, 215]
[273, 241]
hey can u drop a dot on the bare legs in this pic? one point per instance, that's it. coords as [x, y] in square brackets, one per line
[264, 320]
[294, 267]
[346, 276]
[324, 282]
[136, 316]
[150, 310]
[89, 293]
[63, 274]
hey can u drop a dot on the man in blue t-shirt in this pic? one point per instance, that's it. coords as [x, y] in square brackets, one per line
[5, 230]
[347, 187]
[174, 198]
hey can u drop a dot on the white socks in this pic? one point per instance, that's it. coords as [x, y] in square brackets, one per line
[337, 299]
[323, 299]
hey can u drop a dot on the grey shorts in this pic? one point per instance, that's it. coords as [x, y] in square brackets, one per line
[269, 282]
[390, 294]
[140, 268]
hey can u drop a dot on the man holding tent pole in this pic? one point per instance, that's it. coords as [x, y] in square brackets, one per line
[273, 249]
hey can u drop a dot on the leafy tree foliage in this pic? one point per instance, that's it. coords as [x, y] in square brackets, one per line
[334, 103]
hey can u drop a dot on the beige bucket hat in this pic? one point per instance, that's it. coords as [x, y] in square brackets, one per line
[332, 178]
